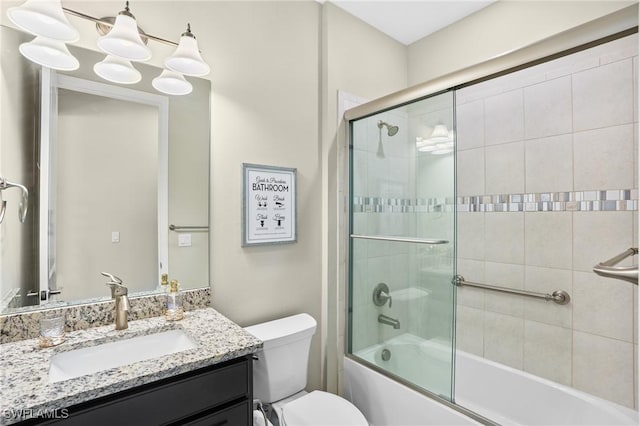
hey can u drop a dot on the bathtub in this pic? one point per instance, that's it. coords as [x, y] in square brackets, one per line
[497, 392]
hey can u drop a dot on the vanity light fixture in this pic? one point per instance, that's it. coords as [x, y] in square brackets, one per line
[46, 20]
[124, 40]
[121, 39]
[43, 18]
[117, 70]
[439, 143]
[186, 59]
[49, 53]
[172, 83]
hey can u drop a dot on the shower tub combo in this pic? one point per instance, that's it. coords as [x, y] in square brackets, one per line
[502, 394]
[404, 364]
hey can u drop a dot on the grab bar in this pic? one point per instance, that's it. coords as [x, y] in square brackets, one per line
[179, 228]
[626, 273]
[561, 297]
[399, 239]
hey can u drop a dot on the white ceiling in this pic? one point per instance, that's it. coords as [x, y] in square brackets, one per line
[409, 21]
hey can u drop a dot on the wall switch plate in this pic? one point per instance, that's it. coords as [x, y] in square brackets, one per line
[184, 240]
[115, 237]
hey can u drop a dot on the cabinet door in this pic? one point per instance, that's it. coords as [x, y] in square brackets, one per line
[233, 416]
[171, 400]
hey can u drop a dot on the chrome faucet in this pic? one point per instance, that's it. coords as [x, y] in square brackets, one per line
[119, 292]
[383, 319]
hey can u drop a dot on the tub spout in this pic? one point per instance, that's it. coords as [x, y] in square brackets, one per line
[383, 319]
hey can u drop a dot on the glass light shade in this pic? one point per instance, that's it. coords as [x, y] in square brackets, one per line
[124, 40]
[43, 18]
[424, 145]
[117, 70]
[172, 83]
[186, 59]
[49, 53]
[442, 151]
[440, 134]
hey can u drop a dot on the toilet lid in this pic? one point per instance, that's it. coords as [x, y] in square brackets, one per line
[322, 409]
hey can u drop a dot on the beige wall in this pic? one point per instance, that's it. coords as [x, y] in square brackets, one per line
[265, 110]
[498, 29]
[359, 60]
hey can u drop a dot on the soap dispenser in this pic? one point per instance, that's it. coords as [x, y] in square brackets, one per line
[174, 310]
[164, 282]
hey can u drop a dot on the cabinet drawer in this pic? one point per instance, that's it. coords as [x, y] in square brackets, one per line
[169, 401]
[235, 415]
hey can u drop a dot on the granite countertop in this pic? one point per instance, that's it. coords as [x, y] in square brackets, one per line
[25, 389]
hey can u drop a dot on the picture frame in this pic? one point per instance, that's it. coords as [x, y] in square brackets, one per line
[269, 205]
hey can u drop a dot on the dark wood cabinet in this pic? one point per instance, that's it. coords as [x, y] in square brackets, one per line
[216, 395]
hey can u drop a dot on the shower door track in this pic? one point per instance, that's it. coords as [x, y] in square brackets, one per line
[399, 239]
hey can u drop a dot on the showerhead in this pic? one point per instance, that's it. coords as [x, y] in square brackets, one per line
[391, 129]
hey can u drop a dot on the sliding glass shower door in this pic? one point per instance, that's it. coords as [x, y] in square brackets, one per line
[402, 252]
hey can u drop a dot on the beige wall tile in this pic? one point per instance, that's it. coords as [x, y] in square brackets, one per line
[471, 237]
[503, 339]
[602, 158]
[504, 168]
[470, 125]
[547, 237]
[469, 330]
[598, 236]
[546, 280]
[603, 96]
[603, 367]
[504, 237]
[504, 117]
[470, 172]
[509, 276]
[547, 108]
[547, 351]
[602, 306]
[549, 164]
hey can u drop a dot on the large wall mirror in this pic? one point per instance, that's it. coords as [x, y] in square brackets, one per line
[118, 181]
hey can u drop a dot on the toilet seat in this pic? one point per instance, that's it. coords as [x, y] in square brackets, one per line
[320, 408]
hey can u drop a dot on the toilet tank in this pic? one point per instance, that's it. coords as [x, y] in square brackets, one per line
[281, 368]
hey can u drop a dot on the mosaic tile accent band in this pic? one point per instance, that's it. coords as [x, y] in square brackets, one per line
[606, 200]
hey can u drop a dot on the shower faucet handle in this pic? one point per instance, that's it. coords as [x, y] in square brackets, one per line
[381, 295]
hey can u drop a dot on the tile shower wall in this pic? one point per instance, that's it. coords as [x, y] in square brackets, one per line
[547, 183]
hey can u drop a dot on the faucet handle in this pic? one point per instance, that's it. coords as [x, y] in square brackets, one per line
[113, 278]
[381, 294]
[117, 288]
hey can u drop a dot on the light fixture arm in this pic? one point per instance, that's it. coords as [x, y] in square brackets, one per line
[102, 21]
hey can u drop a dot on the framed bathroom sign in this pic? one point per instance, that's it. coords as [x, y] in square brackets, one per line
[268, 205]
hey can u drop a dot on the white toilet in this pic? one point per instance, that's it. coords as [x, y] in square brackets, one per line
[280, 376]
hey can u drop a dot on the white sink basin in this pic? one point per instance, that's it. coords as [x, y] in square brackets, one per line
[80, 362]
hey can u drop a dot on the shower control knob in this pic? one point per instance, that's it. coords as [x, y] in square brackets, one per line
[381, 295]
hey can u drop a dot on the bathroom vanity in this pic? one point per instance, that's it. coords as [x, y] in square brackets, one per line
[210, 384]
